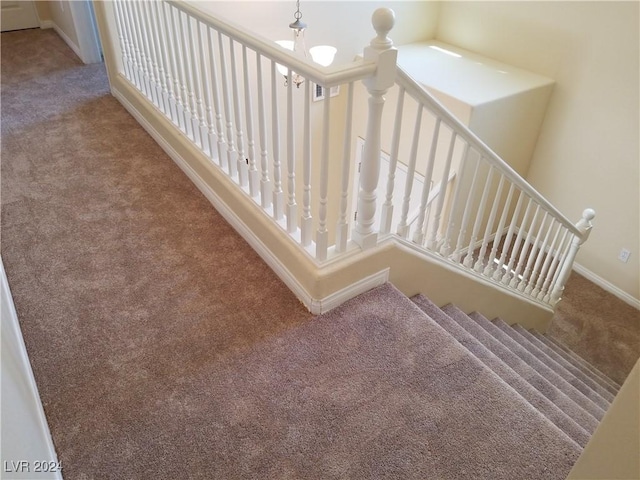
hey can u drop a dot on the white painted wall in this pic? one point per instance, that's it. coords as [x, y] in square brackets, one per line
[25, 439]
[588, 150]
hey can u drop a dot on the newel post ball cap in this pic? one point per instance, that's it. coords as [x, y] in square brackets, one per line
[383, 20]
[589, 214]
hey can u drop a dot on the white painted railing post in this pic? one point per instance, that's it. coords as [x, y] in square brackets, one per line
[382, 52]
[585, 226]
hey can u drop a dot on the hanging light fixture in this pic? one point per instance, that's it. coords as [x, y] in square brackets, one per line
[321, 54]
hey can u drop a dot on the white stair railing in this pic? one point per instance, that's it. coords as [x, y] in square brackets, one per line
[219, 85]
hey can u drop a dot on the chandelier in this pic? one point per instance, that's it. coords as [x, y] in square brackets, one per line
[321, 54]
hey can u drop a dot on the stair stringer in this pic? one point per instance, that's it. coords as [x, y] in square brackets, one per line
[323, 286]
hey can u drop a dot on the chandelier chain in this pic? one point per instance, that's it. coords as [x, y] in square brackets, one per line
[298, 14]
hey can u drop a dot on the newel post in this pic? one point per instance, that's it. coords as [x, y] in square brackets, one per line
[585, 226]
[382, 52]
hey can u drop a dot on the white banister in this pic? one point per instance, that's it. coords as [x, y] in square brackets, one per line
[381, 52]
[584, 226]
[202, 74]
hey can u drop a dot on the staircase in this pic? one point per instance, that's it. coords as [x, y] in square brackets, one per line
[469, 397]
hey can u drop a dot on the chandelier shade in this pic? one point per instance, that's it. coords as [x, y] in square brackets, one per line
[322, 54]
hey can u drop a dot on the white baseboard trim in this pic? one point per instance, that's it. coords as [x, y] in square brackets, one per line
[44, 24]
[29, 441]
[353, 290]
[314, 305]
[67, 40]
[606, 285]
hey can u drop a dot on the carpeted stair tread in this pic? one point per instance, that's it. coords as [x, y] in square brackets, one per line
[561, 362]
[577, 362]
[538, 366]
[563, 373]
[541, 403]
[373, 389]
[577, 359]
[555, 395]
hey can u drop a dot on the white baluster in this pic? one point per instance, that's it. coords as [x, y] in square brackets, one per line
[403, 228]
[487, 231]
[584, 226]
[124, 46]
[432, 243]
[387, 207]
[188, 59]
[421, 227]
[445, 246]
[215, 93]
[497, 274]
[554, 269]
[157, 76]
[343, 225]
[251, 151]
[292, 207]
[231, 148]
[531, 255]
[243, 170]
[547, 260]
[147, 45]
[142, 57]
[516, 245]
[524, 249]
[468, 259]
[306, 223]
[156, 26]
[208, 117]
[177, 41]
[278, 195]
[127, 18]
[382, 52]
[199, 119]
[265, 182]
[531, 279]
[322, 235]
[173, 83]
